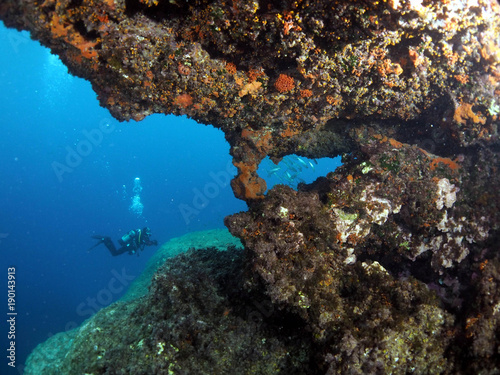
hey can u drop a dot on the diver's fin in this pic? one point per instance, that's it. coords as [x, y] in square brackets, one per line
[101, 240]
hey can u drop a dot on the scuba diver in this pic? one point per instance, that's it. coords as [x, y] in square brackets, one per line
[131, 242]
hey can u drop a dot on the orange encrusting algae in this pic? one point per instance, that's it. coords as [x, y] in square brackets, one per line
[391, 141]
[453, 165]
[247, 183]
[183, 100]
[464, 112]
[72, 37]
[284, 83]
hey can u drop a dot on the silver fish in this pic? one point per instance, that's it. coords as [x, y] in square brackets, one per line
[302, 162]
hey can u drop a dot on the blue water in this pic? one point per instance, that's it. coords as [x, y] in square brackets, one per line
[64, 162]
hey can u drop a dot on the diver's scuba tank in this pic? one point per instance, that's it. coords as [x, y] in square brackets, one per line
[126, 239]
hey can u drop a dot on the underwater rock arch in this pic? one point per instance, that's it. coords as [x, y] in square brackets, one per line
[408, 91]
[287, 78]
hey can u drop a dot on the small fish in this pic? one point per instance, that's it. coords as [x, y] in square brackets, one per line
[281, 178]
[312, 166]
[274, 170]
[292, 165]
[302, 162]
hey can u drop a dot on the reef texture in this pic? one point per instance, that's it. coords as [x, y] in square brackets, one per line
[390, 264]
[218, 239]
[194, 320]
[284, 77]
[393, 267]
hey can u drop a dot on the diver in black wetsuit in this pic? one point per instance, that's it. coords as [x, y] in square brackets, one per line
[131, 242]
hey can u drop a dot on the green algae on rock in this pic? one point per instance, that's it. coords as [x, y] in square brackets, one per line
[194, 320]
[219, 239]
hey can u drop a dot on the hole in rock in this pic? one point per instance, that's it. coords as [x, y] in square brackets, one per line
[293, 169]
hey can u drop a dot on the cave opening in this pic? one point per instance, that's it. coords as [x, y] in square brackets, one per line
[293, 170]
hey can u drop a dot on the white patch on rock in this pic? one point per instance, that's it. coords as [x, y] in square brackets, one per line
[378, 208]
[447, 194]
[283, 213]
[374, 267]
[351, 258]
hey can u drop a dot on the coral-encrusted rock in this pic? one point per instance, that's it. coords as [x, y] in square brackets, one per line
[383, 258]
[367, 248]
[194, 320]
[285, 70]
[482, 325]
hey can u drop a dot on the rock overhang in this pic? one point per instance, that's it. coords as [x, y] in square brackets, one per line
[282, 78]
